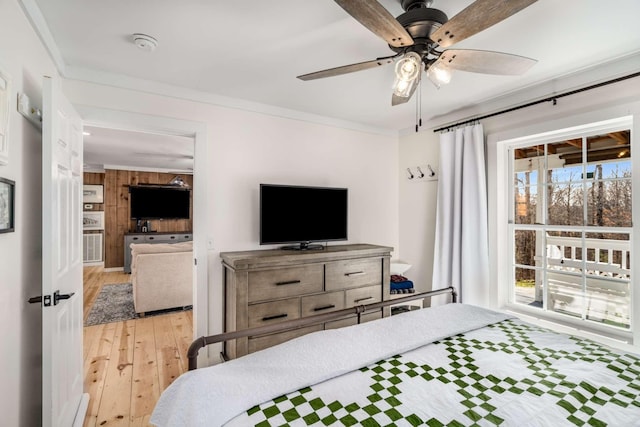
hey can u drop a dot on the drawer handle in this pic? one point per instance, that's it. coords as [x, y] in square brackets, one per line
[362, 299]
[290, 282]
[324, 307]
[355, 273]
[276, 316]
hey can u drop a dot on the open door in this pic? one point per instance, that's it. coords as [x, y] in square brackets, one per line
[63, 401]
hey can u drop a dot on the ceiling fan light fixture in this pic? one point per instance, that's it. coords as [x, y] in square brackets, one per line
[439, 74]
[407, 72]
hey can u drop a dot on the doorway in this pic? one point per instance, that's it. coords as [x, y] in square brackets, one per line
[197, 320]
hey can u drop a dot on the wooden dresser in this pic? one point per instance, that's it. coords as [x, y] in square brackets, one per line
[270, 286]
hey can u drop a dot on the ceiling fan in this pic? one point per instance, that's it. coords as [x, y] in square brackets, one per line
[418, 36]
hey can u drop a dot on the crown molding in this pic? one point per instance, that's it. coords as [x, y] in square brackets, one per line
[156, 88]
[39, 24]
[594, 74]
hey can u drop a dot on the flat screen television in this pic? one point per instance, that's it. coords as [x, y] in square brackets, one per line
[300, 215]
[159, 202]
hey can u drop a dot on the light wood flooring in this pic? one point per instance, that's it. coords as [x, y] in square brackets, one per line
[128, 364]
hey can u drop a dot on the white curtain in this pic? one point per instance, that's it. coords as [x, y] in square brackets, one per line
[461, 255]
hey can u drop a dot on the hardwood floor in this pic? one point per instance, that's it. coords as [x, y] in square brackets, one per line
[128, 364]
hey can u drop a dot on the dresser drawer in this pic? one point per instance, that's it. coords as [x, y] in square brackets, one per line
[361, 296]
[161, 238]
[322, 303]
[264, 341]
[285, 282]
[353, 273]
[273, 312]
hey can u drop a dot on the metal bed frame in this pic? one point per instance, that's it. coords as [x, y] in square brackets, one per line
[194, 348]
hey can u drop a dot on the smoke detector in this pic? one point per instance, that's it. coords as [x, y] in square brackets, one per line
[145, 42]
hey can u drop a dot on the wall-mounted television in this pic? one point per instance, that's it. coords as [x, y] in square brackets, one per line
[300, 215]
[159, 202]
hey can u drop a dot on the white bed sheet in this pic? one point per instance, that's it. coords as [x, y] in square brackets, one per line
[212, 396]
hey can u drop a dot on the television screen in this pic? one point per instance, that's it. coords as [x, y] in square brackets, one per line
[295, 214]
[159, 202]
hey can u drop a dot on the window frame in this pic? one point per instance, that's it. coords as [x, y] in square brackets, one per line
[506, 216]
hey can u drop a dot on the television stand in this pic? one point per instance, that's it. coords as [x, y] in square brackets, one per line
[303, 246]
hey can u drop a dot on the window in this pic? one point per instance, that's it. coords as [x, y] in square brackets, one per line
[570, 224]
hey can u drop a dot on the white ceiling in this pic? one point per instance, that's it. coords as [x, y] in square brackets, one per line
[124, 149]
[253, 50]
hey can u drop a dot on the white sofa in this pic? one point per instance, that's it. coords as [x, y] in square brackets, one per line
[161, 275]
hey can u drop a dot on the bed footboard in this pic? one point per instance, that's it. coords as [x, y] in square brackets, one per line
[202, 342]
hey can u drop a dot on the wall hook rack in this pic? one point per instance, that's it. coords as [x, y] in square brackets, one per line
[410, 173]
[420, 175]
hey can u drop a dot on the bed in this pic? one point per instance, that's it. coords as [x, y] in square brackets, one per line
[450, 365]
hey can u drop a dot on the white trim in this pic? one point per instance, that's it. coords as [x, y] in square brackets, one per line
[621, 343]
[157, 88]
[144, 169]
[78, 420]
[598, 73]
[100, 264]
[123, 120]
[34, 15]
[588, 129]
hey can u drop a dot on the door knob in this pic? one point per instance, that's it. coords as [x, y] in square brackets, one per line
[57, 296]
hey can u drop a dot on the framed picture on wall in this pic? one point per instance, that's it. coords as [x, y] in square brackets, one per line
[5, 93]
[7, 210]
[93, 220]
[92, 194]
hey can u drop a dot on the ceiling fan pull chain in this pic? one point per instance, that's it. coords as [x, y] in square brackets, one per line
[420, 95]
[419, 106]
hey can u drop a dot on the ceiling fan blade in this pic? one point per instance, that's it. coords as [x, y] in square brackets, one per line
[348, 68]
[478, 16]
[378, 20]
[485, 61]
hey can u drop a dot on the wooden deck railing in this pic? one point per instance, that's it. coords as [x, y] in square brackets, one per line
[605, 295]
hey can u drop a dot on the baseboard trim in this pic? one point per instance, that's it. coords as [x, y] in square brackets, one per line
[112, 269]
[82, 411]
[93, 264]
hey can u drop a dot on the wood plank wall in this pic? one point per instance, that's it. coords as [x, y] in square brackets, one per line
[116, 206]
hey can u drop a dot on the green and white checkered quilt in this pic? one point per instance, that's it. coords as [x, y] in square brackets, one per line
[506, 374]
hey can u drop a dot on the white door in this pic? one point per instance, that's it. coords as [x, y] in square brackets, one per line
[63, 402]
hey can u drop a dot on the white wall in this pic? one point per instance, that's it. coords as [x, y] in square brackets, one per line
[418, 206]
[246, 149]
[24, 58]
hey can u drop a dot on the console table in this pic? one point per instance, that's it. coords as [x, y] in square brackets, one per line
[151, 237]
[269, 286]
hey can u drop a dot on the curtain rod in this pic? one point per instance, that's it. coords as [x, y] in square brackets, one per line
[553, 99]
